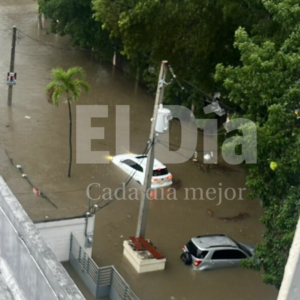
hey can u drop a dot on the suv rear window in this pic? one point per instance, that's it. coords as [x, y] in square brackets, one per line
[160, 172]
[195, 251]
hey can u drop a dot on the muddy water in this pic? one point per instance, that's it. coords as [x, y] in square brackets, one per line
[35, 135]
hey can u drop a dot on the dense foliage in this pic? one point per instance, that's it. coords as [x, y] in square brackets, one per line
[193, 35]
[75, 17]
[266, 87]
[255, 44]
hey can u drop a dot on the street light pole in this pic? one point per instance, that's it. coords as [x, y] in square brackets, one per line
[144, 205]
[12, 64]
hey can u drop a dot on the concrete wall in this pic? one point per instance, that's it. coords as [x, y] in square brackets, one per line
[32, 263]
[57, 234]
[290, 287]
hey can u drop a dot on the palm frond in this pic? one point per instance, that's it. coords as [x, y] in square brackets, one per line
[51, 85]
[75, 71]
[76, 91]
[63, 82]
[56, 95]
[76, 86]
[82, 84]
[60, 75]
[54, 90]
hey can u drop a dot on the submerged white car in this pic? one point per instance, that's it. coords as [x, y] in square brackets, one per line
[135, 165]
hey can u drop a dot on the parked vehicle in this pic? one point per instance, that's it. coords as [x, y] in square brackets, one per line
[135, 166]
[215, 251]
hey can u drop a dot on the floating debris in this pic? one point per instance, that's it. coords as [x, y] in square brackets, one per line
[238, 217]
[36, 191]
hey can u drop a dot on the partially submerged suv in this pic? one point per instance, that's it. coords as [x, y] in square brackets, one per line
[135, 166]
[215, 251]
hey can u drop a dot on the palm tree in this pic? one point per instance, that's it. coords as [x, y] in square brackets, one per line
[65, 84]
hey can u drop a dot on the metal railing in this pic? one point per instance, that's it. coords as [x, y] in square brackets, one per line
[105, 281]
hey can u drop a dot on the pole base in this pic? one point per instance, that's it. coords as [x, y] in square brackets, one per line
[142, 260]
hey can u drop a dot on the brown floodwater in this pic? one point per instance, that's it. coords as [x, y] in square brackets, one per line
[35, 135]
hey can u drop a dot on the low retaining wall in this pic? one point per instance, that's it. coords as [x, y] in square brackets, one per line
[32, 263]
[57, 234]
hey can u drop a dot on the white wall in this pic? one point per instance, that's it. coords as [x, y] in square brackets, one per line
[29, 259]
[290, 287]
[57, 234]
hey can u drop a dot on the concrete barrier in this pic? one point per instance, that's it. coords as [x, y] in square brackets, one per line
[32, 263]
[57, 234]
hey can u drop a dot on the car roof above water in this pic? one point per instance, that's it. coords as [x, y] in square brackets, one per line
[140, 159]
[213, 241]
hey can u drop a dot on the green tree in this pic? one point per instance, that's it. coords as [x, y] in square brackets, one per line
[280, 220]
[192, 35]
[266, 87]
[64, 84]
[75, 18]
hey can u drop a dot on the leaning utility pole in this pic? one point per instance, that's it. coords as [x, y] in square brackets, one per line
[12, 64]
[144, 205]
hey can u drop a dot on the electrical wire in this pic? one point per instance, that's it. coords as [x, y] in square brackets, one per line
[35, 55]
[53, 192]
[166, 146]
[49, 45]
[179, 147]
[20, 169]
[203, 133]
[208, 98]
[127, 182]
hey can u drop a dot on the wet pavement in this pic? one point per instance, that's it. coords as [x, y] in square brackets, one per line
[35, 135]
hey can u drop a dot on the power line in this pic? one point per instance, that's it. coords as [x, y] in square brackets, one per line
[35, 55]
[179, 147]
[127, 182]
[52, 192]
[39, 192]
[49, 45]
[166, 146]
[208, 98]
[203, 133]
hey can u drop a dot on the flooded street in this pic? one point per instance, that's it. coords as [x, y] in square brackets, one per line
[35, 135]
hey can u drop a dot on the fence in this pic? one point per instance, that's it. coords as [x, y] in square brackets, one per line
[102, 282]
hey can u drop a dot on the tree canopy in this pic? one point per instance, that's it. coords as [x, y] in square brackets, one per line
[266, 87]
[193, 35]
[247, 49]
[75, 18]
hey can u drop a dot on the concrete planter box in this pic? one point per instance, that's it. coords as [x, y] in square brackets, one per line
[142, 261]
